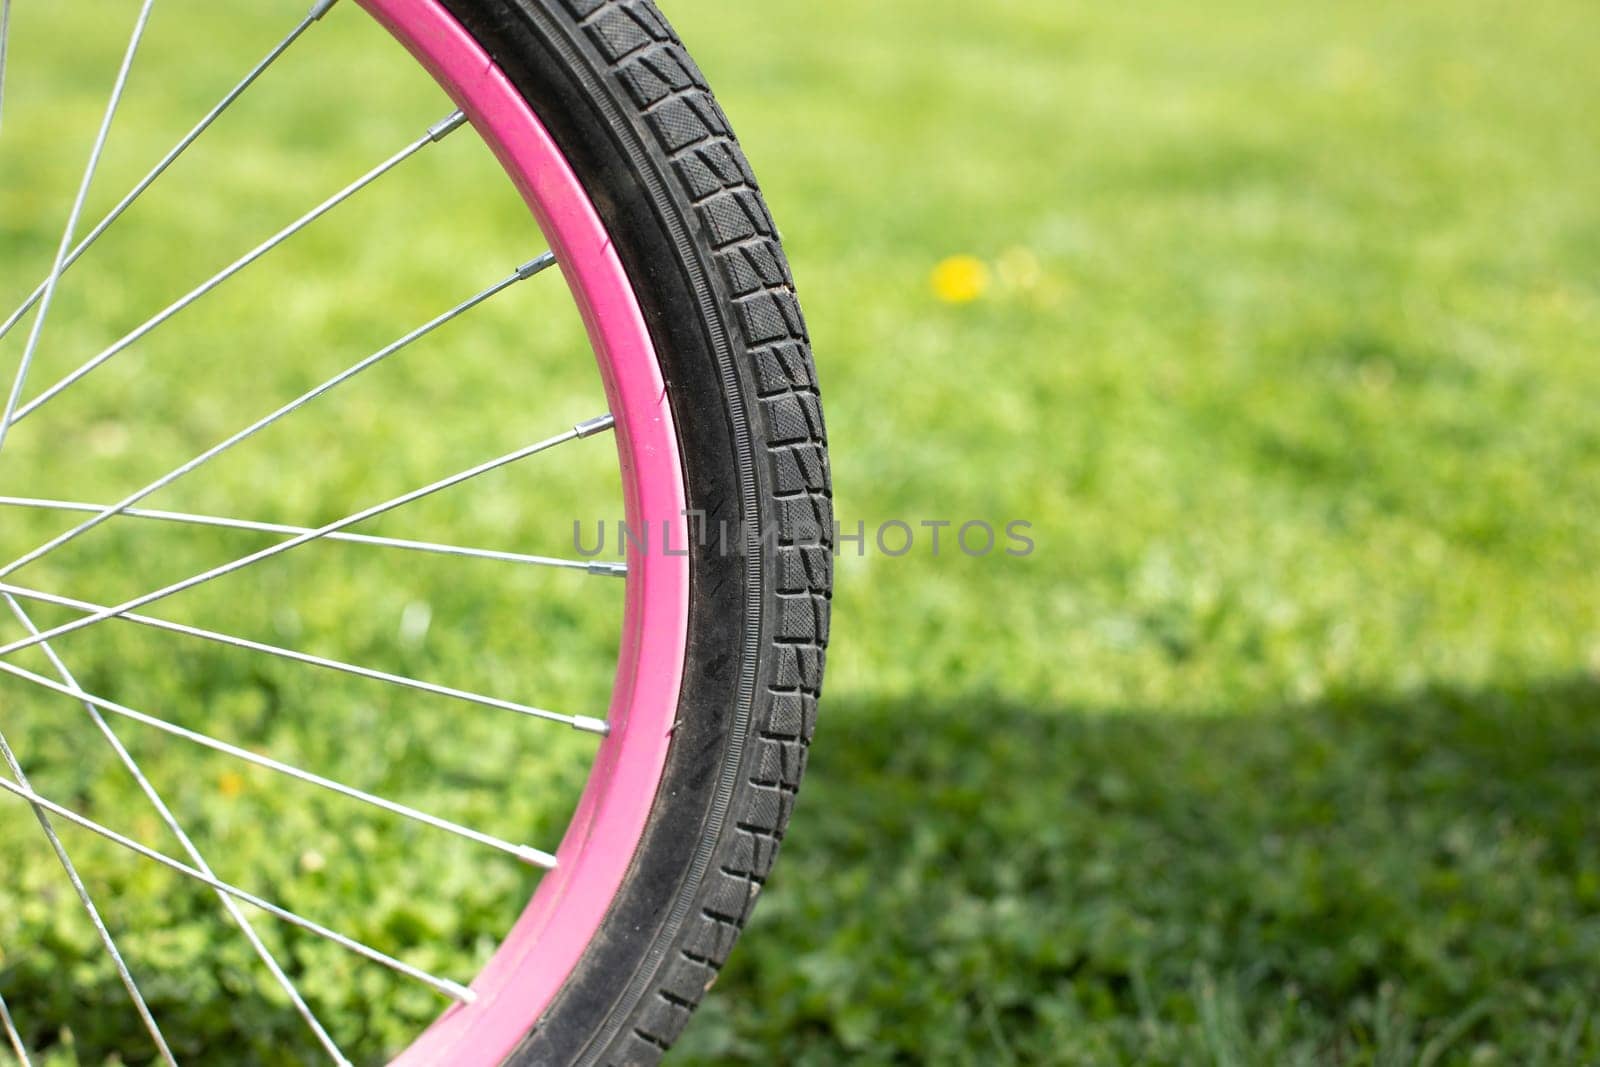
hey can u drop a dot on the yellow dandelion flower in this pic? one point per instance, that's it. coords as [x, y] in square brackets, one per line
[230, 784]
[959, 279]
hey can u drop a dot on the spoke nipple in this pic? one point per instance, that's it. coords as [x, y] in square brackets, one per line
[537, 857]
[456, 991]
[534, 266]
[598, 424]
[611, 570]
[320, 8]
[446, 126]
[591, 725]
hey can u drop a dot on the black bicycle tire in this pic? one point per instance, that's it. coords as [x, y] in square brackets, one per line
[638, 123]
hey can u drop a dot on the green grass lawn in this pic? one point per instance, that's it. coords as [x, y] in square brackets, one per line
[1281, 747]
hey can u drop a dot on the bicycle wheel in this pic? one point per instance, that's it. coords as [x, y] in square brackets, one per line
[608, 131]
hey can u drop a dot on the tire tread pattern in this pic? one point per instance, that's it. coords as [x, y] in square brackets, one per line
[674, 103]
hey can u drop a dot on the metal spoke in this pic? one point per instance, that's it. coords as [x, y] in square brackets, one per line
[93, 165]
[172, 824]
[612, 569]
[17, 385]
[322, 7]
[450, 989]
[527, 270]
[110, 944]
[578, 722]
[587, 428]
[5, 40]
[6, 1020]
[526, 853]
[438, 132]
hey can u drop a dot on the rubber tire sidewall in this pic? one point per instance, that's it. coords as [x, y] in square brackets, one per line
[685, 305]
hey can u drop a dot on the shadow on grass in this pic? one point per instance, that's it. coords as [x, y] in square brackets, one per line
[1366, 879]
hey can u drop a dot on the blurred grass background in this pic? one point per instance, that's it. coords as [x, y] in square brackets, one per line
[1281, 746]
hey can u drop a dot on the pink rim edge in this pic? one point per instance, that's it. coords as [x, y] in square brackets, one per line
[561, 920]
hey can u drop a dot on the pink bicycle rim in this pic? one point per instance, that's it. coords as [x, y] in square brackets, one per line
[545, 945]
